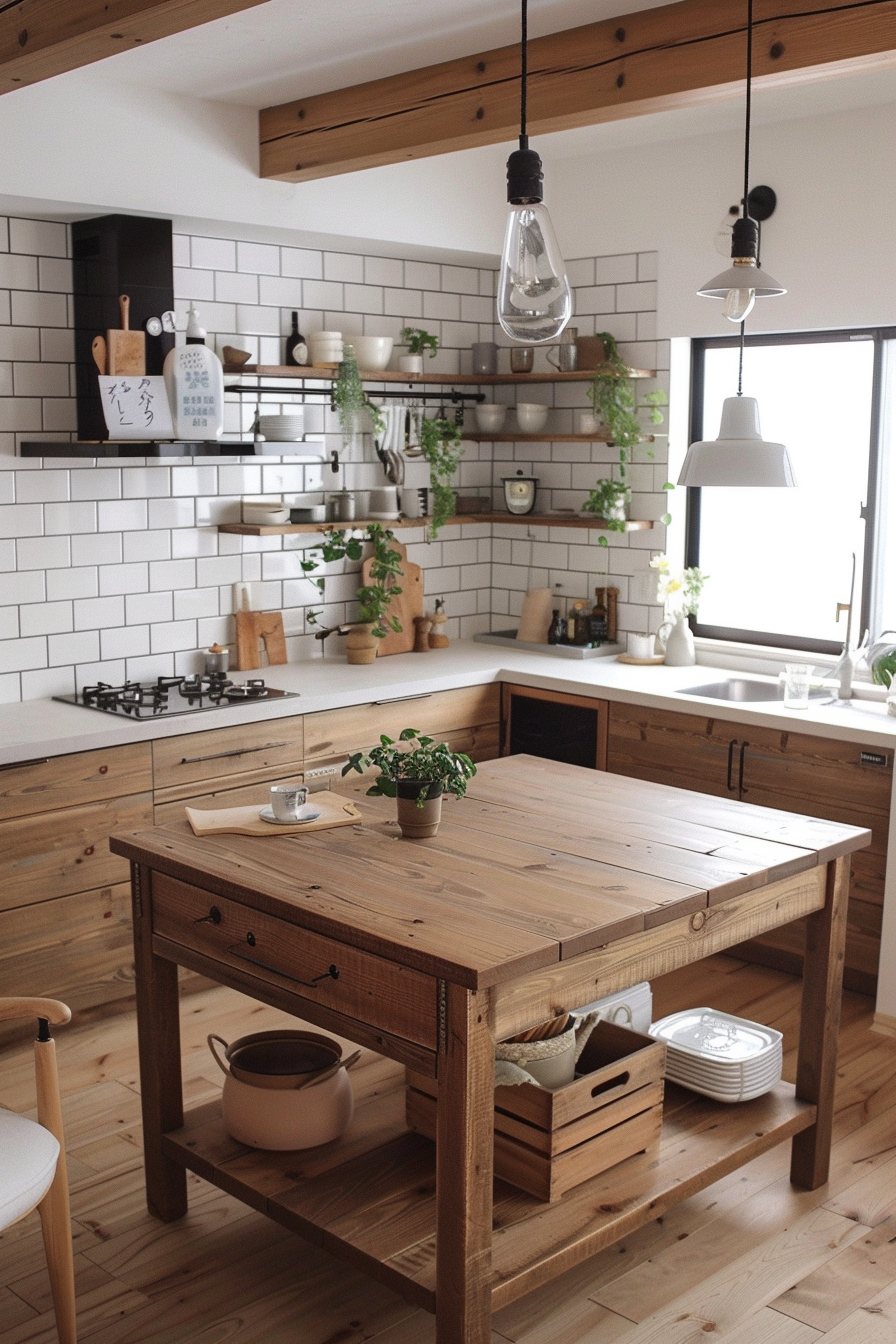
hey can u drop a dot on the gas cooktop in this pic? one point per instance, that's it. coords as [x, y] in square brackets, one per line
[173, 695]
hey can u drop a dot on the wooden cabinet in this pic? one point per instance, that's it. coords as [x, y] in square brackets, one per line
[227, 767]
[64, 907]
[554, 724]
[468, 718]
[794, 772]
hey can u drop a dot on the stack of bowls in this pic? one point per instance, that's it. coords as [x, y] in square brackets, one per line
[325, 349]
[283, 428]
[263, 513]
[371, 352]
[531, 417]
[490, 417]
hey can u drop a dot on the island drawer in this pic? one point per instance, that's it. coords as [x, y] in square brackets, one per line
[359, 984]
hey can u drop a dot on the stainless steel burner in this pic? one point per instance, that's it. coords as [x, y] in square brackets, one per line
[173, 695]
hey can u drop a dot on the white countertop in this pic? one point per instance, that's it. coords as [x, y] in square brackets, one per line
[45, 728]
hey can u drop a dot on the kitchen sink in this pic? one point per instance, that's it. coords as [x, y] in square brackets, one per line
[745, 689]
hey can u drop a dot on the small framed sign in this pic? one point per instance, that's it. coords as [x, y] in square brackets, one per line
[136, 407]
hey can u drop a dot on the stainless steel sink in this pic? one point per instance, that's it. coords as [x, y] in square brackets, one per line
[744, 689]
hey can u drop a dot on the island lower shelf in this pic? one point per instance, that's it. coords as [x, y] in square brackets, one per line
[370, 1197]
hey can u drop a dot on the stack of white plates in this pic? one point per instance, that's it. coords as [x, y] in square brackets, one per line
[723, 1057]
[282, 428]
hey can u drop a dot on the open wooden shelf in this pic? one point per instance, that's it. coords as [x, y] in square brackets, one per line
[534, 519]
[306, 371]
[371, 1195]
[548, 437]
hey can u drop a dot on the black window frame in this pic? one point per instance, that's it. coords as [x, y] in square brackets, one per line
[699, 347]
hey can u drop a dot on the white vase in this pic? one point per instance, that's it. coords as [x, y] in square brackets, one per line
[680, 650]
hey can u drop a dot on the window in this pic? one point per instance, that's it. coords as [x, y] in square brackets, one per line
[780, 560]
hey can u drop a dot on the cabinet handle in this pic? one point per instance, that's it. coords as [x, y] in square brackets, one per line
[740, 774]
[222, 755]
[213, 917]
[396, 699]
[331, 973]
[21, 765]
[731, 745]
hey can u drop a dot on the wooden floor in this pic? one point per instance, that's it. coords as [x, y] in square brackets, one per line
[748, 1261]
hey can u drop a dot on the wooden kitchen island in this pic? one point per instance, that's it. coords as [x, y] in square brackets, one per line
[547, 887]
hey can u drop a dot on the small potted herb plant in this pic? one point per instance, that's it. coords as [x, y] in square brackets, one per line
[416, 340]
[609, 500]
[416, 771]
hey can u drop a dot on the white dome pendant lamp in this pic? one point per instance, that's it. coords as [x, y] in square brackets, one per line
[534, 299]
[740, 456]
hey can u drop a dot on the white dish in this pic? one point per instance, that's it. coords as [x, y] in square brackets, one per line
[306, 813]
[384, 517]
[371, 352]
[707, 1034]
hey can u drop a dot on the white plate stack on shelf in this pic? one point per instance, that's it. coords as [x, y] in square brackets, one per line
[282, 428]
[723, 1057]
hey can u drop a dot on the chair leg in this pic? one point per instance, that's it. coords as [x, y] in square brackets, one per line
[55, 1219]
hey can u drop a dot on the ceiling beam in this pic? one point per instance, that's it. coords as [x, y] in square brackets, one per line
[41, 38]
[673, 56]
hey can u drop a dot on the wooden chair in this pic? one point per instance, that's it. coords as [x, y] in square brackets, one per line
[32, 1161]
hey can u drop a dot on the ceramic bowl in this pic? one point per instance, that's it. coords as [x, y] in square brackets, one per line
[490, 417]
[530, 416]
[371, 352]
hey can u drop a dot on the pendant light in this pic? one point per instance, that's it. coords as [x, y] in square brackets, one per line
[743, 283]
[739, 456]
[534, 299]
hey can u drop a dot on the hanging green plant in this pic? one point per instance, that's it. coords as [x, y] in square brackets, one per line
[439, 443]
[385, 571]
[349, 399]
[612, 394]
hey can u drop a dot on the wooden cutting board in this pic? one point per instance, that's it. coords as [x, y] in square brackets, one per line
[125, 349]
[407, 605]
[254, 628]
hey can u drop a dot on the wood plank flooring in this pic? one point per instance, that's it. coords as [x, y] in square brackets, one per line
[750, 1260]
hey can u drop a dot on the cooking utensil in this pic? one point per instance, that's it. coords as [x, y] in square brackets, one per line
[98, 350]
[125, 349]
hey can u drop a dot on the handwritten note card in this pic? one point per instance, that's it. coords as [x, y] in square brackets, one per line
[136, 407]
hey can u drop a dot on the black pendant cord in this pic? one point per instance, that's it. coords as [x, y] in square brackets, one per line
[524, 71]
[748, 107]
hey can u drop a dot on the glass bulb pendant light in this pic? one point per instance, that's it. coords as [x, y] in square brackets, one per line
[743, 283]
[534, 299]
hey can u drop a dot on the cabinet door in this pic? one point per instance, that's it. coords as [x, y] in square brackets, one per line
[554, 724]
[446, 714]
[246, 754]
[687, 751]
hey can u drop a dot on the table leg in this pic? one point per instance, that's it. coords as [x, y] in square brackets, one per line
[464, 1163]
[158, 1039]
[816, 1074]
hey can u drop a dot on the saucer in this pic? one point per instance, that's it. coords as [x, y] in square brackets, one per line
[306, 813]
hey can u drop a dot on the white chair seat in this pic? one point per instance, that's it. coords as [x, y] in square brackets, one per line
[28, 1157]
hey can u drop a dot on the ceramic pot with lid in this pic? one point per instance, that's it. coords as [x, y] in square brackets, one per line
[285, 1090]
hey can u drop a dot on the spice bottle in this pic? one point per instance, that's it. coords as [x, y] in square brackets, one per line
[557, 630]
[296, 348]
[599, 616]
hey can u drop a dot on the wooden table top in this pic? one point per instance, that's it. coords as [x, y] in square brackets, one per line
[539, 863]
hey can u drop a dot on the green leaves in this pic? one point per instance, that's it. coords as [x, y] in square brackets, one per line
[413, 757]
[438, 442]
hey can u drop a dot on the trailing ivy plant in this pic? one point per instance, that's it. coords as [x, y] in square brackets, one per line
[439, 443]
[375, 596]
[612, 394]
[350, 400]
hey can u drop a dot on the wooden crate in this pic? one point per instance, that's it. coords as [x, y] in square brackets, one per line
[547, 1141]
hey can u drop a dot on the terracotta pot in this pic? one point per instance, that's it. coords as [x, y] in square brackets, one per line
[360, 644]
[417, 823]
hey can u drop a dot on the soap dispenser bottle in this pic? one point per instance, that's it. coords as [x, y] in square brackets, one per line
[194, 381]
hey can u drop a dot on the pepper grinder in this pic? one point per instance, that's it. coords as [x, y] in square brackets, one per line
[437, 637]
[422, 627]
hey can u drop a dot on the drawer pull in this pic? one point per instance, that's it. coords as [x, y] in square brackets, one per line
[332, 972]
[423, 695]
[213, 917]
[222, 755]
[21, 765]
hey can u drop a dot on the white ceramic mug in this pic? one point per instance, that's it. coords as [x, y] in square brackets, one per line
[287, 800]
[641, 645]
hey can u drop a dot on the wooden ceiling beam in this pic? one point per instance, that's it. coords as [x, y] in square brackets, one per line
[676, 55]
[41, 38]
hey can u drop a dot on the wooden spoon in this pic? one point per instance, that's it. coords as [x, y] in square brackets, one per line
[99, 353]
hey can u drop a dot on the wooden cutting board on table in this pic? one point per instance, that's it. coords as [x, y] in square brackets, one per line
[125, 349]
[407, 605]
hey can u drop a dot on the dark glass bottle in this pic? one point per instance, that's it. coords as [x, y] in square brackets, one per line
[599, 617]
[557, 631]
[296, 349]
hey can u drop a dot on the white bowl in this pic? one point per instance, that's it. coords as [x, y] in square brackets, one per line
[371, 352]
[530, 416]
[490, 418]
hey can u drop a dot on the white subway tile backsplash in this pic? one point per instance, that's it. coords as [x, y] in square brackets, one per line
[236, 287]
[56, 344]
[191, 284]
[18, 272]
[34, 309]
[43, 552]
[21, 414]
[281, 291]
[100, 483]
[46, 618]
[19, 343]
[258, 258]
[173, 636]
[120, 515]
[41, 380]
[67, 584]
[39, 487]
[422, 275]
[39, 237]
[97, 549]
[54, 273]
[81, 647]
[149, 545]
[125, 578]
[145, 482]
[64, 519]
[302, 263]
[125, 641]
[343, 266]
[19, 655]
[171, 513]
[9, 623]
[171, 574]
[384, 271]
[147, 608]
[213, 254]
[21, 520]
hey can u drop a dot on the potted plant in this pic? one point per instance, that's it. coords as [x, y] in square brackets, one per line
[416, 771]
[416, 340]
[373, 597]
[609, 500]
[439, 443]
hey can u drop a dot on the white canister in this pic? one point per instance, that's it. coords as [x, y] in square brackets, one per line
[640, 645]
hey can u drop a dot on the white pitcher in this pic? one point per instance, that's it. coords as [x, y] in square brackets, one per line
[679, 642]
